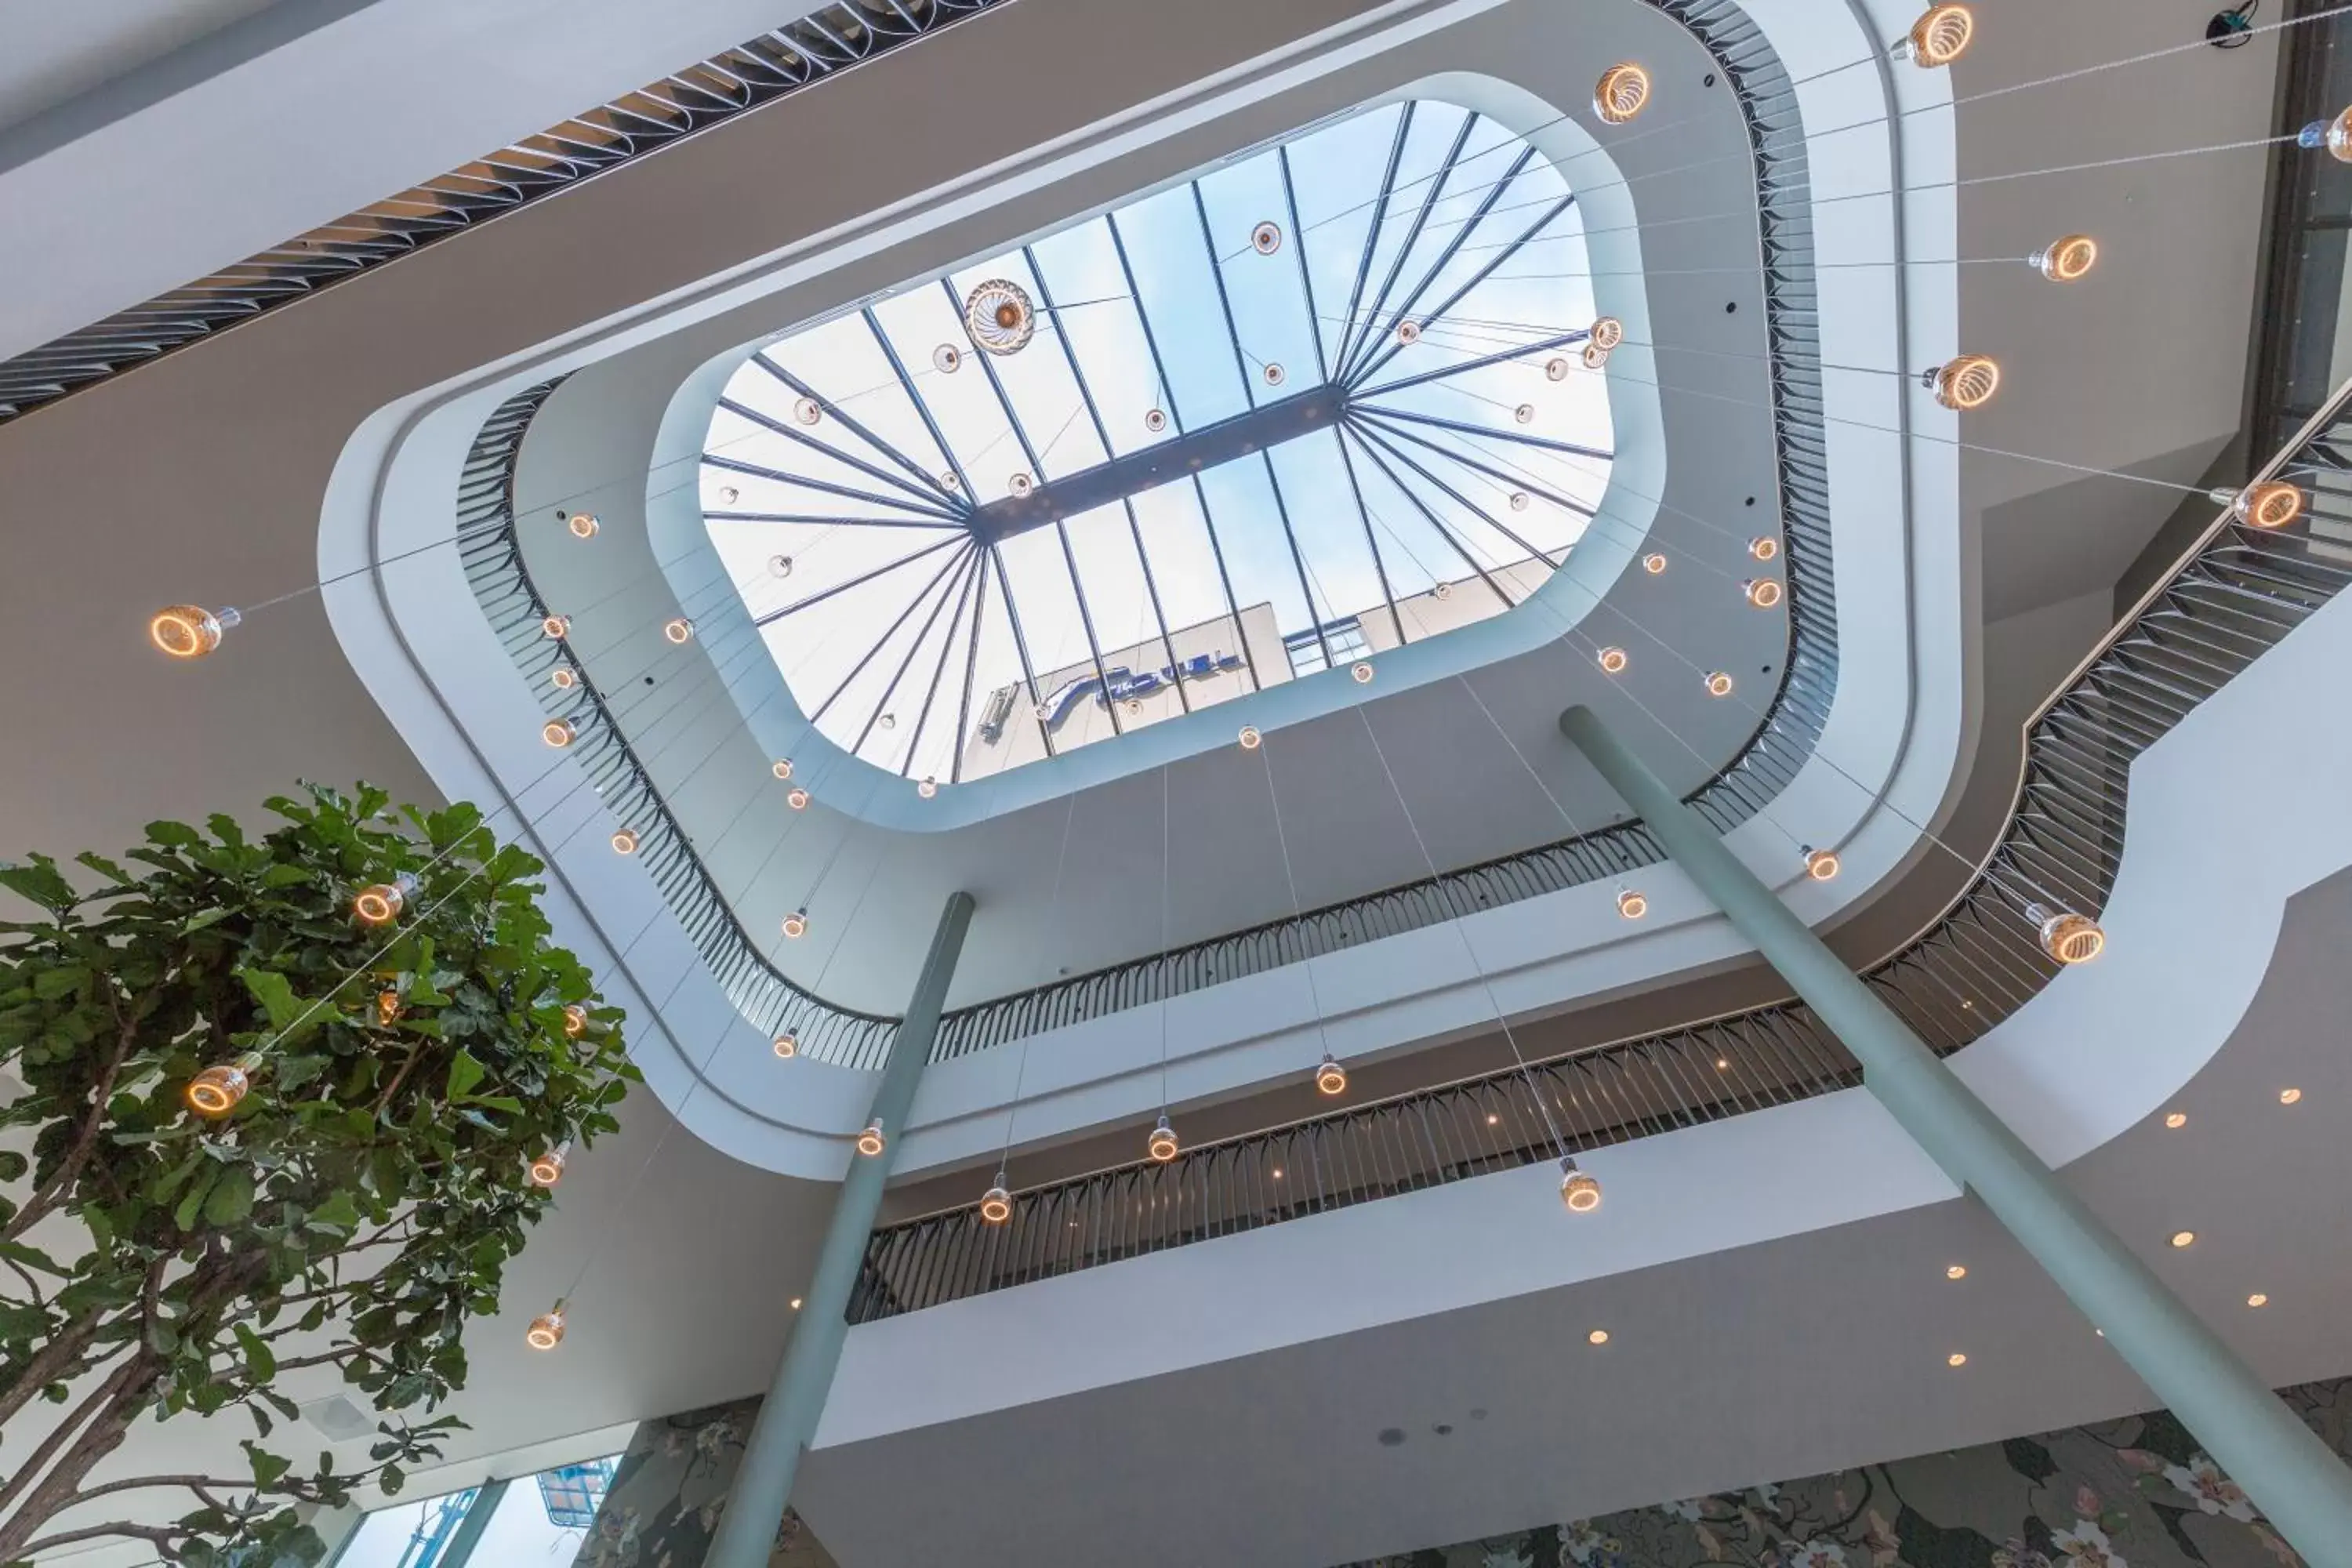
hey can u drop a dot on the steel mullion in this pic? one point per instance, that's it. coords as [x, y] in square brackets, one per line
[1429, 201]
[778, 427]
[1516, 480]
[1061, 529]
[1542, 555]
[1388, 595]
[1241, 633]
[859, 580]
[825, 520]
[996, 385]
[926, 484]
[1134, 529]
[760, 470]
[947, 646]
[1431, 518]
[1372, 237]
[1544, 442]
[1298, 560]
[1021, 645]
[1389, 350]
[1563, 341]
[1086, 620]
[1150, 338]
[1224, 300]
[1298, 245]
[882, 641]
[1485, 272]
[970, 670]
[907, 383]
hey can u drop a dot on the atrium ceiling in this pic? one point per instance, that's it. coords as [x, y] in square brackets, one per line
[202, 477]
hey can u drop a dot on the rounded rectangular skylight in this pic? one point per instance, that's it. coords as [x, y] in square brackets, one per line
[1322, 400]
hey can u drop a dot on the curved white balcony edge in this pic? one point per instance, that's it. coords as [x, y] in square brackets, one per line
[2193, 926]
[1902, 718]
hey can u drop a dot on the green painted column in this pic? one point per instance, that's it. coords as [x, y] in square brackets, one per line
[788, 1416]
[2288, 1472]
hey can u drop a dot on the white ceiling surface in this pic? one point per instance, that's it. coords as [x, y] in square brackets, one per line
[268, 145]
[1773, 1285]
[54, 53]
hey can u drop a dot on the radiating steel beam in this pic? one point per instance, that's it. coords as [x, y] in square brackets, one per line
[907, 384]
[1372, 239]
[799, 605]
[1429, 273]
[1502, 476]
[1485, 272]
[1429, 199]
[849, 493]
[1102, 433]
[880, 642]
[1459, 499]
[928, 481]
[1565, 339]
[1431, 518]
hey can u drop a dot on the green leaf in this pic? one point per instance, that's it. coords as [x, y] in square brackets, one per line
[48, 984]
[289, 1017]
[103, 867]
[197, 922]
[192, 1201]
[269, 1468]
[260, 1362]
[231, 1199]
[178, 833]
[337, 1212]
[38, 882]
[465, 1072]
[13, 1165]
[391, 1477]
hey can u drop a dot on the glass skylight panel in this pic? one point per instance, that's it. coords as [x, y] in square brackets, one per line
[1324, 398]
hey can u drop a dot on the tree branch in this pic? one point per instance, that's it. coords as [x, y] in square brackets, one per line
[160, 1536]
[197, 1484]
[39, 1205]
[93, 1404]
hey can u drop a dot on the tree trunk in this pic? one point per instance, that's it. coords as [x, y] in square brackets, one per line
[126, 1393]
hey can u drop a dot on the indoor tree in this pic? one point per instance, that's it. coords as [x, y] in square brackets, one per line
[282, 1098]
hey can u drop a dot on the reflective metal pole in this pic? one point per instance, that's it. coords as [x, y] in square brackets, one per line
[2284, 1467]
[788, 1416]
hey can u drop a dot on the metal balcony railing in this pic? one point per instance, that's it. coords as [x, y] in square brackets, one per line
[826, 42]
[1783, 738]
[2238, 592]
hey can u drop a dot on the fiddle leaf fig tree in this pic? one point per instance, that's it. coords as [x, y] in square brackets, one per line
[280, 1096]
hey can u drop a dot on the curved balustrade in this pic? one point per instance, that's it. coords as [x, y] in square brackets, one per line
[2239, 591]
[501, 583]
[827, 40]
[1784, 738]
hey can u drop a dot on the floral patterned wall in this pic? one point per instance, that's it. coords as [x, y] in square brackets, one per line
[2134, 1493]
[667, 1496]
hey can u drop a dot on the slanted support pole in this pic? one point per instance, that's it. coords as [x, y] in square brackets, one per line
[2290, 1474]
[788, 1416]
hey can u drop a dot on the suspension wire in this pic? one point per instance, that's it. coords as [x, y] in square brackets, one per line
[1884, 799]
[1045, 958]
[1951, 103]
[1297, 909]
[1165, 1002]
[1510, 1036]
[601, 1233]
